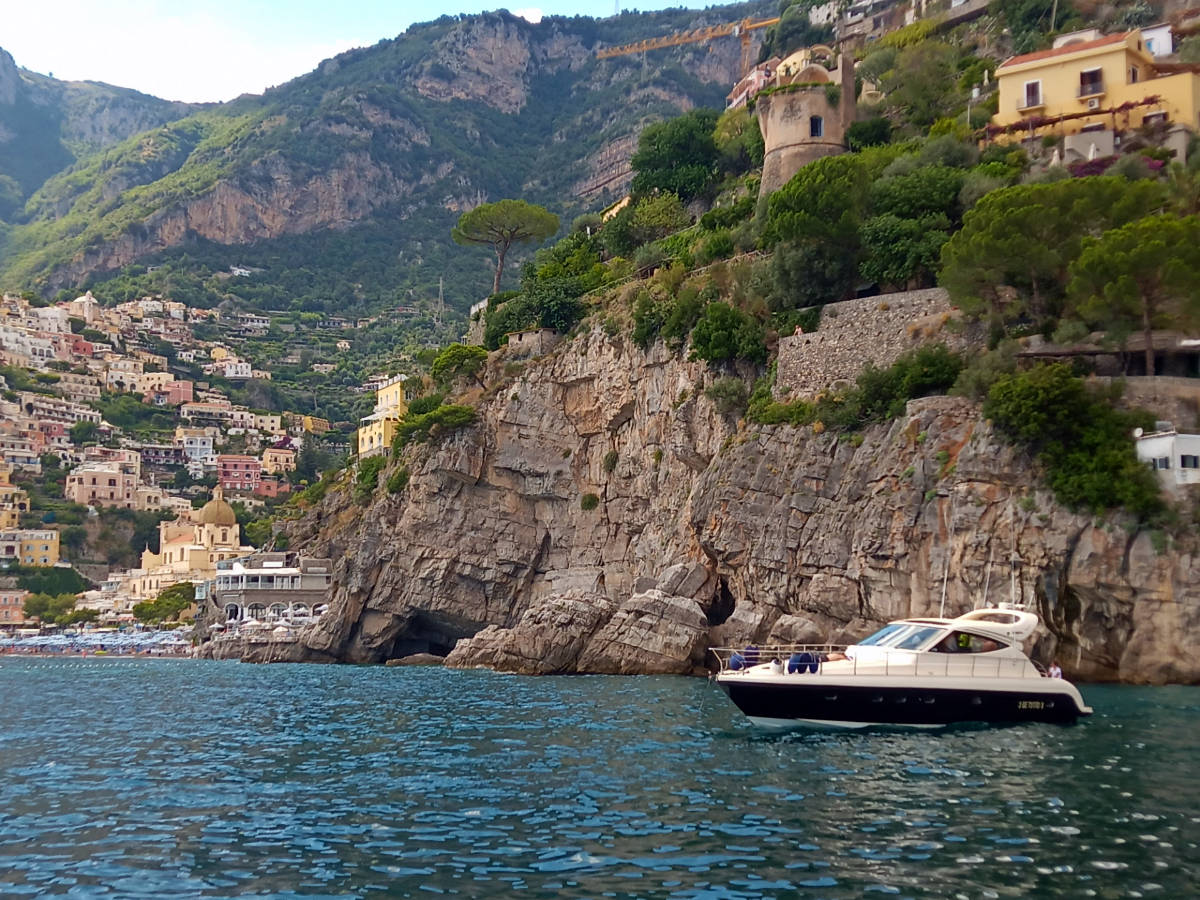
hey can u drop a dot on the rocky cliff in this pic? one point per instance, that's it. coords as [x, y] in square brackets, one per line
[706, 531]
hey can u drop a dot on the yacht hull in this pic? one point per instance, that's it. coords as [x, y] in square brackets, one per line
[830, 704]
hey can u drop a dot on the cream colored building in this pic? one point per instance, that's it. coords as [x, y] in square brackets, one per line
[278, 460]
[107, 483]
[189, 550]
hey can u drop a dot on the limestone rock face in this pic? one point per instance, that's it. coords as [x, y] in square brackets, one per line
[713, 532]
[273, 199]
[653, 633]
[10, 79]
[546, 641]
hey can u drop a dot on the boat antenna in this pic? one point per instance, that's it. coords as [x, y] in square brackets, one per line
[1014, 560]
[987, 572]
[949, 551]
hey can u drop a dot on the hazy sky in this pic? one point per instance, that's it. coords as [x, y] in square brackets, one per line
[199, 50]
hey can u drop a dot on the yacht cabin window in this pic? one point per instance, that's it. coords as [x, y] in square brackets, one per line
[963, 642]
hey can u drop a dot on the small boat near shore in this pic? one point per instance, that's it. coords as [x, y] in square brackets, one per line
[920, 672]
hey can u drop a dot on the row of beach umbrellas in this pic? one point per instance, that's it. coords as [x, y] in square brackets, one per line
[175, 641]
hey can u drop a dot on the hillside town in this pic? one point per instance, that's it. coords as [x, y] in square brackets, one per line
[181, 450]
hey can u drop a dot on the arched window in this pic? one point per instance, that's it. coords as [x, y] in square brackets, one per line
[816, 127]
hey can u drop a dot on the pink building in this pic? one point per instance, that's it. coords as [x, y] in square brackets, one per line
[173, 393]
[752, 82]
[271, 486]
[236, 472]
[12, 606]
[103, 484]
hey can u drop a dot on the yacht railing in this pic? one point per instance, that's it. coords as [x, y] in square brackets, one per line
[801, 660]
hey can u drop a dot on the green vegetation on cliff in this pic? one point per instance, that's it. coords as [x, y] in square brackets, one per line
[1080, 437]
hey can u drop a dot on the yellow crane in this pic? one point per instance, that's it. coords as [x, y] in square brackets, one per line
[739, 29]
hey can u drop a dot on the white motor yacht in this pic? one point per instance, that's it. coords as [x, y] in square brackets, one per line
[912, 672]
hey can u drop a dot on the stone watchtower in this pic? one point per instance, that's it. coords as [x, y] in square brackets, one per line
[804, 113]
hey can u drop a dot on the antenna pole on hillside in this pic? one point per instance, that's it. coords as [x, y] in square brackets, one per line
[441, 302]
[1053, 14]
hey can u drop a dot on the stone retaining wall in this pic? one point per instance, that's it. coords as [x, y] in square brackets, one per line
[1174, 400]
[865, 330]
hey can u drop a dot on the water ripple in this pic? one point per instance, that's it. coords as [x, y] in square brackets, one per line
[167, 778]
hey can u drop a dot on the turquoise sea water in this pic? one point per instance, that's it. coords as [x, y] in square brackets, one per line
[178, 778]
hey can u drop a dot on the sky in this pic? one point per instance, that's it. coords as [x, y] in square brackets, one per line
[214, 50]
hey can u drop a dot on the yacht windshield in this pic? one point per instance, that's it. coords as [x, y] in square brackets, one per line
[914, 638]
[881, 635]
[901, 636]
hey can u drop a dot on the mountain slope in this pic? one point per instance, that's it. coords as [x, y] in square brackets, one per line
[394, 140]
[46, 124]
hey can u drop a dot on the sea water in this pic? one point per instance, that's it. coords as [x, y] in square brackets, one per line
[179, 778]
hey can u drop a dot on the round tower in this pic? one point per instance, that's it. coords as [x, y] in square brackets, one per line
[804, 113]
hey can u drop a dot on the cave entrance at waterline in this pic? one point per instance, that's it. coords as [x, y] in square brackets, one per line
[423, 634]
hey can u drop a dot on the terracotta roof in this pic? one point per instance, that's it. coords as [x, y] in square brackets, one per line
[1062, 51]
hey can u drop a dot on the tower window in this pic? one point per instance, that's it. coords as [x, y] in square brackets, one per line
[816, 127]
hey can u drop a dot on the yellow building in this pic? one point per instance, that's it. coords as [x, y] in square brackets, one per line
[376, 431]
[13, 500]
[314, 424]
[1106, 83]
[30, 547]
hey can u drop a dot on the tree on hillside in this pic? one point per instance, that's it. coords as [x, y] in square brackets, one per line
[679, 155]
[1080, 438]
[457, 360]
[826, 199]
[1010, 259]
[650, 219]
[51, 580]
[739, 141]
[501, 224]
[921, 85]
[1145, 274]
[1031, 22]
[725, 333]
[167, 606]
[925, 191]
[793, 31]
[815, 220]
[83, 432]
[49, 608]
[897, 251]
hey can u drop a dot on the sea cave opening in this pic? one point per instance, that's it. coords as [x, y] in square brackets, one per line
[722, 605]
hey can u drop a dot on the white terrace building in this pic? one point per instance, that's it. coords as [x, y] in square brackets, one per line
[1174, 457]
